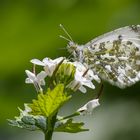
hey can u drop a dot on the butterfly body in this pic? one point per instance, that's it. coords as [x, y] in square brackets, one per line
[114, 56]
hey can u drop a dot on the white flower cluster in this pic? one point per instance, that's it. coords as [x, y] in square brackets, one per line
[82, 77]
[49, 67]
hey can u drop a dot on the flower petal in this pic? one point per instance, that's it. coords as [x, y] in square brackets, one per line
[37, 62]
[41, 75]
[30, 75]
[89, 107]
[49, 70]
[88, 84]
[42, 82]
[47, 61]
[58, 60]
[92, 104]
[28, 81]
[83, 89]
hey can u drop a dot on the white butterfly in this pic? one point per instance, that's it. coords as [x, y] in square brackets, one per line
[114, 56]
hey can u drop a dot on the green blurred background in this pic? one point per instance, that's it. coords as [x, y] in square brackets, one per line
[30, 29]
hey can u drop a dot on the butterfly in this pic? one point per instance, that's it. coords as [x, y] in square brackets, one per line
[113, 56]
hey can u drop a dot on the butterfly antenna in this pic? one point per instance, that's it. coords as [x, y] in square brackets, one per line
[64, 38]
[65, 31]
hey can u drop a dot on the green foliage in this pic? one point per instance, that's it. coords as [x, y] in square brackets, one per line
[29, 122]
[49, 103]
[70, 127]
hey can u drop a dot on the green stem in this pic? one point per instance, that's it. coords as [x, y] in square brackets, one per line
[50, 127]
[48, 135]
[70, 116]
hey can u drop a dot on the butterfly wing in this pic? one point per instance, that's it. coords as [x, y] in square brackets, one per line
[132, 31]
[115, 56]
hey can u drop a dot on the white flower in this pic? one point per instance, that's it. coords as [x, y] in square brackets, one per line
[78, 83]
[83, 77]
[49, 64]
[37, 80]
[89, 74]
[89, 107]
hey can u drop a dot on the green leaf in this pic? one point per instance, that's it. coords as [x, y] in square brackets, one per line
[29, 122]
[13, 123]
[40, 122]
[70, 127]
[48, 104]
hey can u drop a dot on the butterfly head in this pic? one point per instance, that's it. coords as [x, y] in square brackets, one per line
[73, 48]
[76, 51]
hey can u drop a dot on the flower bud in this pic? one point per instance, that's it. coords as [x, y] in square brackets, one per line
[65, 73]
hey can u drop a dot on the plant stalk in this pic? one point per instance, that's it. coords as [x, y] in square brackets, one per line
[50, 127]
[48, 135]
[70, 116]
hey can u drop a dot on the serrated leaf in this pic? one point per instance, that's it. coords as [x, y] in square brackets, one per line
[28, 120]
[30, 123]
[70, 127]
[21, 124]
[48, 104]
[27, 126]
[13, 123]
[41, 122]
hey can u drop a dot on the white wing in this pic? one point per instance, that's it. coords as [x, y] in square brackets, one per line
[115, 56]
[129, 33]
